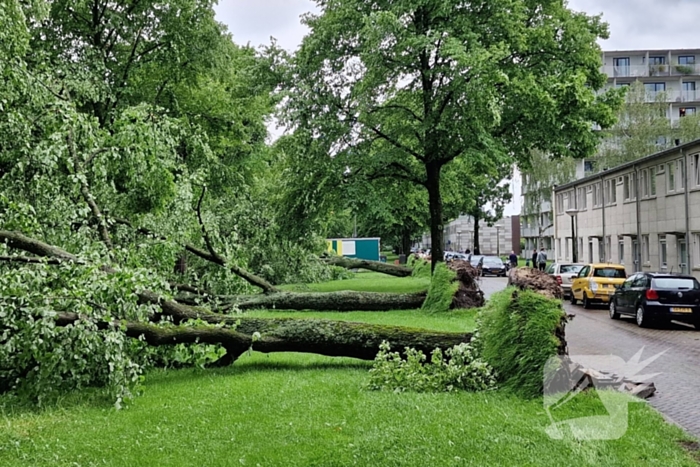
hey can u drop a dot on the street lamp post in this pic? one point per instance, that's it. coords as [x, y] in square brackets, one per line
[498, 240]
[459, 241]
[574, 243]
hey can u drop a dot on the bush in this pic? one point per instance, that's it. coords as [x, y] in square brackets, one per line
[461, 370]
[443, 286]
[517, 330]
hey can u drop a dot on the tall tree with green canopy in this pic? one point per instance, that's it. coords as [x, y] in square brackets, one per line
[431, 81]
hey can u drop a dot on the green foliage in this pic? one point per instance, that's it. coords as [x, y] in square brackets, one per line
[517, 337]
[459, 369]
[421, 268]
[443, 286]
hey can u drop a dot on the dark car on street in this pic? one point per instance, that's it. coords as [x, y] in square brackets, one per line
[493, 265]
[654, 298]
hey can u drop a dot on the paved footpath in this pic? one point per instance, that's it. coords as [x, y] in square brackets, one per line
[592, 332]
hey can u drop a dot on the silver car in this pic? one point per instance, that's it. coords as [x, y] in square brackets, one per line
[564, 274]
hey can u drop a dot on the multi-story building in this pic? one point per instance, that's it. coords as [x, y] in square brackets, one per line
[501, 238]
[644, 214]
[669, 75]
[672, 74]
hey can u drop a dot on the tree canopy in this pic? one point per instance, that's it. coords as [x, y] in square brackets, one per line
[423, 83]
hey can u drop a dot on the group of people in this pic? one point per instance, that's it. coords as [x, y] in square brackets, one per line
[539, 259]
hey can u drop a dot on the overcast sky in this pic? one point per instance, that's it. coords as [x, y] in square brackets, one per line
[634, 24]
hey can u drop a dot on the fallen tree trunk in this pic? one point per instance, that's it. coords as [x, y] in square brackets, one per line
[324, 337]
[384, 268]
[330, 301]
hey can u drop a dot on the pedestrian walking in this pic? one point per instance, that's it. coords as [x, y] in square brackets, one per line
[542, 260]
[513, 258]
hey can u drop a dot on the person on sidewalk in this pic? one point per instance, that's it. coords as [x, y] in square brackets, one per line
[513, 258]
[542, 260]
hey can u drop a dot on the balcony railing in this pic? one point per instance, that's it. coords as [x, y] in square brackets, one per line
[640, 71]
[673, 96]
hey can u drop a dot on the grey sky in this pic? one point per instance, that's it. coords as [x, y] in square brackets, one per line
[634, 24]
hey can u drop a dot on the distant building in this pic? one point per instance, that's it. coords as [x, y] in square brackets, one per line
[643, 214]
[502, 237]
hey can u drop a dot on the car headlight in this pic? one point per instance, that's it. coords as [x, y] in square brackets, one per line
[593, 285]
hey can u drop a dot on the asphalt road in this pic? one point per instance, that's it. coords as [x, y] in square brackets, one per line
[592, 332]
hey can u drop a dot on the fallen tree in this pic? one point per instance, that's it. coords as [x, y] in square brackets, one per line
[376, 266]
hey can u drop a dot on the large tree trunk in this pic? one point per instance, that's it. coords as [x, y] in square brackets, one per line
[437, 252]
[331, 301]
[477, 248]
[406, 241]
[385, 268]
[324, 337]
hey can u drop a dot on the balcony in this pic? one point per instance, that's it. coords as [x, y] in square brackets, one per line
[673, 96]
[642, 71]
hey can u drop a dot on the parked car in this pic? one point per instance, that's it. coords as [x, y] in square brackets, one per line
[493, 265]
[595, 283]
[476, 260]
[654, 298]
[564, 273]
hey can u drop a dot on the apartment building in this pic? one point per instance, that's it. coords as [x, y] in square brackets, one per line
[500, 238]
[671, 75]
[644, 214]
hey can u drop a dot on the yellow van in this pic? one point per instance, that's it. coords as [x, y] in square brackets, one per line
[595, 283]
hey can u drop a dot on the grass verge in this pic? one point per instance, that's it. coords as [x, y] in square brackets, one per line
[301, 410]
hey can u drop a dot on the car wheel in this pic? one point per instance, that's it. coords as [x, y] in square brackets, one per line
[643, 320]
[572, 298]
[586, 302]
[696, 323]
[613, 310]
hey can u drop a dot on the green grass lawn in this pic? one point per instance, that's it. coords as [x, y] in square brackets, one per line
[300, 410]
[306, 410]
[366, 281]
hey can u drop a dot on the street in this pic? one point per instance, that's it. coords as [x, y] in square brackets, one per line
[592, 332]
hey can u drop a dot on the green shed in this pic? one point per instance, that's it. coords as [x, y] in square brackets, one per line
[358, 248]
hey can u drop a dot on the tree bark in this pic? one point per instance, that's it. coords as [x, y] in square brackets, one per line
[385, 268]
[406, 241]
[324, 337]
[477, 248]
[437, 251]
[331, 301]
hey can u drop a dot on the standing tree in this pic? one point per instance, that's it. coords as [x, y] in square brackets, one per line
[427, 82]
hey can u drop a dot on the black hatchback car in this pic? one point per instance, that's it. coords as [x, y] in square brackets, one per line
[653, 298]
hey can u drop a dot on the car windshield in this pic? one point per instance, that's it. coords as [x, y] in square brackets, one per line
[570, 268]
[675, 283]
[475, 259]
[613, 273]
[493, 261]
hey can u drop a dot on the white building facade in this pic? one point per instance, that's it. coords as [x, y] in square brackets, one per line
[671, 74]
[644, 214]
[501, 238]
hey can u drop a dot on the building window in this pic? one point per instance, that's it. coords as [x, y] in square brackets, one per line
[654, 89]
[680, 173]
[652, 181]
[671, 177]
[696, 248]
[611, 191]
[621, 250]
[629, 184]
[662, 251]
[581, 199]
[645, 248]
[683, 111]
[686, 60]
[601, 251]
[657, 60]
[696, 169]
[644, 181]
